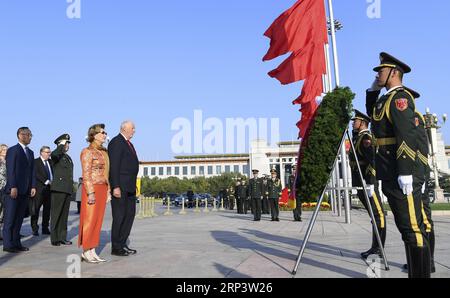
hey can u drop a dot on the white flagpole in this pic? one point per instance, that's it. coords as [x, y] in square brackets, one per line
[333, 38]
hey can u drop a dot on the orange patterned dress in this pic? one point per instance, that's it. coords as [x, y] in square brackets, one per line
[95, 169]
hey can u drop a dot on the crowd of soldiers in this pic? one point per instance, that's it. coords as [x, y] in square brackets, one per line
[395, 152]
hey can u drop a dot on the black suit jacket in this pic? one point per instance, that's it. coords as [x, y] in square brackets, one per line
[124, 165]
[41, 176]
[20, 170]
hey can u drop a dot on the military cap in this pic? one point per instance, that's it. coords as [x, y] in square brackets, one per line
[414, 93]
[62, 138]
[361, 116]
[254, 171]
[387, 60]
[273, 171]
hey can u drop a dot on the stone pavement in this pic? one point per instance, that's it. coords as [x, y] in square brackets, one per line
[225, 244]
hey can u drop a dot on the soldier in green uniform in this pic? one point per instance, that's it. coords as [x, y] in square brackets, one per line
[298, 204]
[394, 127]
[255, 191]
[61, 191]
[243, 193]
[265, 200]
[365, 152]
[274, 193]
[424, 176]
[231, 198]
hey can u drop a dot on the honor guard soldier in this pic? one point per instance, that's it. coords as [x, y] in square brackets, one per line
[424, 171]
[265, 200]
[274, 193]
[298, 204]
[365, 151]
[394, 127]
[241, 196]
[255, 189]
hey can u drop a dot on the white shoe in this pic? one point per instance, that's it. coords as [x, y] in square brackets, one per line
[86, 257]
[96, 257]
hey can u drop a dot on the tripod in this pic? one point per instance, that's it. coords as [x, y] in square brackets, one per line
[316, 211]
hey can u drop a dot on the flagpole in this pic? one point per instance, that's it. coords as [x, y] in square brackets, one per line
[328, 66]
[333, 38]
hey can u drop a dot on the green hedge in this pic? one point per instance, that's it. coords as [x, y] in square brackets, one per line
[319, 151]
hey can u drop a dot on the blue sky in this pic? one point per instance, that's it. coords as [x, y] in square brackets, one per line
[154, 61]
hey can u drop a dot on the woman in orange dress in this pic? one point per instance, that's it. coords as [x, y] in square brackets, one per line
[95, 192]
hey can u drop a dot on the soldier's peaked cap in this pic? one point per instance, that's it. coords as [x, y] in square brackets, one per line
[387, 60]
[361, 116]
[62, 137]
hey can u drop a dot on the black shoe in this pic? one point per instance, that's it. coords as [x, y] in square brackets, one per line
[129, 250]
[65, 242]
[11, 250]
[35, 233]
[119, 252]
[22, 248]
[372, 251]
[273, 219]
[45, 232]
[277, 219]
[433, 268]
[405, 267]
[56, 243]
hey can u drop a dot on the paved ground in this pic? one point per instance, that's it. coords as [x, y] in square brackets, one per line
[224, 244]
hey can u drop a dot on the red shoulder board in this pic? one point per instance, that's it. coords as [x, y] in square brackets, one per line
[367, 143]
[417, 121]
[401, 104]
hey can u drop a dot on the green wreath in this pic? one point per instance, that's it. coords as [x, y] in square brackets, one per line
[318, 152]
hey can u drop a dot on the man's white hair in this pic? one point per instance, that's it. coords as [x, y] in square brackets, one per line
[124, 123]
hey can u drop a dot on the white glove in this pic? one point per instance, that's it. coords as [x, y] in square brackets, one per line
[406, 184]
[370, 190]
[63, 142]
[423, 188]
[375, 86]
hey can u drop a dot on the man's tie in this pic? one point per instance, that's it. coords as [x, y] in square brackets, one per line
[27, 154]
[47, 169]
[132, 147]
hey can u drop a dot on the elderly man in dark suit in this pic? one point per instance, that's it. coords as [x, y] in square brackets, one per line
[61, 191]
[122, 178]
[20, 186]
[44, 177]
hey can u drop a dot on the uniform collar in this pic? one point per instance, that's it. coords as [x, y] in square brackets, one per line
[364, 131]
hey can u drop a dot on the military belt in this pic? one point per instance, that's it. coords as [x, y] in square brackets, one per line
[386, 141]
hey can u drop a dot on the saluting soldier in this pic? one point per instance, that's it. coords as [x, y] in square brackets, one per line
[424, 175]
[394, 127]
[365, 152]
[274, 193]
[265, 200]
[297, 212]
[255, 189]
[61, 191]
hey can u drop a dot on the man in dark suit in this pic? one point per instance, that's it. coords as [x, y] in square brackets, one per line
[44, 177]
[20, 186]
[61, 191]
[124, 167]
[255, 191]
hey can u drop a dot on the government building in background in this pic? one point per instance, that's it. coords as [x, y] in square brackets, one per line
[262, 157]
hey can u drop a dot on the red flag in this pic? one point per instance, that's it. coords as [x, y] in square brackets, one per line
[301, 64]
[298, 26]
[312, 88]
[308, 111]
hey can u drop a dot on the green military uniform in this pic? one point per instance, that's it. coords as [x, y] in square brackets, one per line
[231, 198]
[297, 212]
[255, 191]
[274, 193]
[242, 197]
[365, 152]
[393, 125]
[265, 200]
[424, 176]
[61, 192]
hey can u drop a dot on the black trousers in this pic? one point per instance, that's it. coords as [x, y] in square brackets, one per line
[265, 205]
[123, 213]
[14, 213]
[274, 208]
[240, 205]
[297, 210]
[246, 205]
[41, 199]
[256, 203]
[59, 215]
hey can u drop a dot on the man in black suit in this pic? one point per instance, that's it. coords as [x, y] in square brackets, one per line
[44, 177]
[124, 167]
[20, 186]
[61, 191]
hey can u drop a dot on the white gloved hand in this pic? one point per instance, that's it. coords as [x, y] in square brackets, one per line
[423, 188]
[370, 189]
[375, 86]
[63, 142]
[406, 184]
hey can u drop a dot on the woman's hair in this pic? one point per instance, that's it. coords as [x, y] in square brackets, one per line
[3, 146]
[93, 130]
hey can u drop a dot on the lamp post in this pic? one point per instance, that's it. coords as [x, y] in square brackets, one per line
[431, 126]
